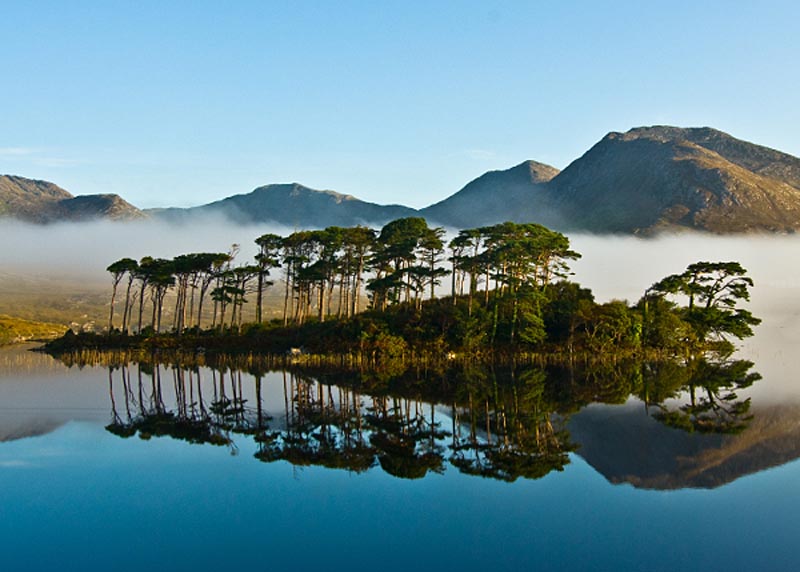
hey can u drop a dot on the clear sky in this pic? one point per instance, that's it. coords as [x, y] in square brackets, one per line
[182, 103]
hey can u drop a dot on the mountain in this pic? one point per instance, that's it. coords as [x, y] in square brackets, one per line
[664, 178]
[644, 181]
[43, 202]
[85, 207]
[497, 196]
[27, 198]
[294, 206]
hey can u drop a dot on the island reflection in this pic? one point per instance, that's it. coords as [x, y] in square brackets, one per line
[503, 422]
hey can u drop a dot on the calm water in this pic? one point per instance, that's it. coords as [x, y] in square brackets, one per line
[134, 467]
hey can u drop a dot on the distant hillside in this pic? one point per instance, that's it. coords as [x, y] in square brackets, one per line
[43, 202]
[644, 181]
[28, 199]
[516, 194]
[657, 178]
[294, 206]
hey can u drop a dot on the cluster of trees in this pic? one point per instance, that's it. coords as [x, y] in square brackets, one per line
[698, 308]
[325, 272]
[190, 277]
[508, 286]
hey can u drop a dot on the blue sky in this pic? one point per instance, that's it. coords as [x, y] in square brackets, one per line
[182, 103]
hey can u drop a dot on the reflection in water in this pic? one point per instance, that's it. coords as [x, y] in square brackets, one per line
[323, 426]
[498, 422]
[193, 416]
[713, 403]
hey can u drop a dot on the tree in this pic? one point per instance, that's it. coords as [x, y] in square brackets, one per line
[118, 270]
[466, 248]
[613, 325]
[431, 247]
[713, 290]
[663, 324]
[358, 243]
[522, 259]
[209, 264]
[143, 276]
[568, 307]
[268, 257]
[160, 278]
[394, 257]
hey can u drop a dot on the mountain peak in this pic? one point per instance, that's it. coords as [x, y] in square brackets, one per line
[38, 201]
[669, 133]
[109, 206]
[295, 205]
[495, 197]
[298, 191]
[539, 172]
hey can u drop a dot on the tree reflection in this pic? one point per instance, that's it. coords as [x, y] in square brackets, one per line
[702, 395]
[323, 426]
[190, 418]
[406, 437]
[503, 422]
[511, 430]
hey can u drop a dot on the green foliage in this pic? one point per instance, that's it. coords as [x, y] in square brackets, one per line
[532, 329]
[567, 308]
[613, 325]
[714, 291]
[663, 325]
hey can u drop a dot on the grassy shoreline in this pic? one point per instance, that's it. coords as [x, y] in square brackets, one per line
[284, 346]
[17, 330]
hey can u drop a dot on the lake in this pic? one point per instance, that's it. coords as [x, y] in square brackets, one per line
[334, 471]
[125, 466]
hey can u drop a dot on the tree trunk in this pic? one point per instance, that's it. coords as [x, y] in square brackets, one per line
[111, 312]
[127, 305]
[259, 295]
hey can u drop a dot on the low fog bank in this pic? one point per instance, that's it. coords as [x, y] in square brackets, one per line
[84, 250]
[613, 267]
[623, 267]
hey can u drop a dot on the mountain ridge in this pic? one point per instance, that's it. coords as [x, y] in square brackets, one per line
[656, 178]
[294, 205]
[642, 181]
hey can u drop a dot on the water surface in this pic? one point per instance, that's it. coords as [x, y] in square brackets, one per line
[202, 467]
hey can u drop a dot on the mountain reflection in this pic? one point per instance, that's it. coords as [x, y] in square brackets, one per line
[502, 422]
